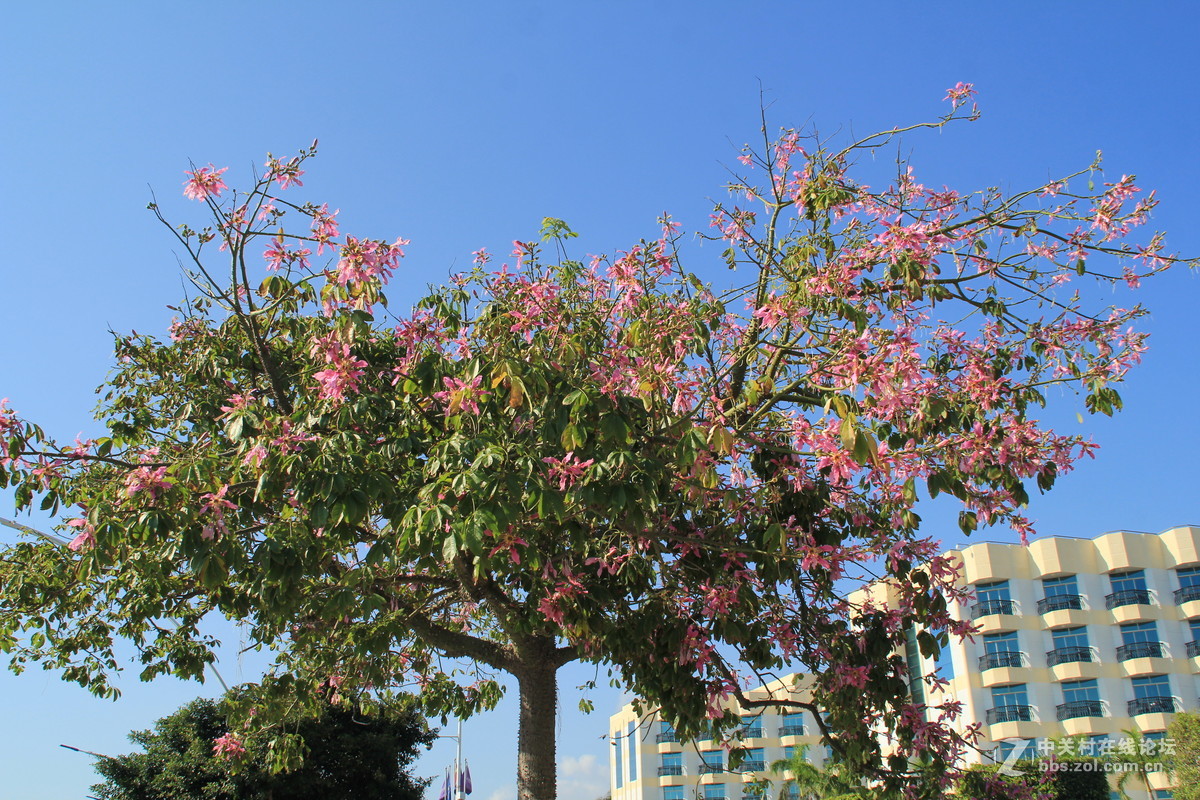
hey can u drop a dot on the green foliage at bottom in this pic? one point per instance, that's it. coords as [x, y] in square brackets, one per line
[1072, 779]
[348, 756]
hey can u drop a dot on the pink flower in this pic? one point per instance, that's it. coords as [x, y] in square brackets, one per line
[204, 182]
[145, 479]
[568, 470]
[960, 93]
[255, 455]
[228, 746]
[86, 536]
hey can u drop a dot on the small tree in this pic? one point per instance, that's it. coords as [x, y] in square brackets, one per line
[192, 754]
[1139, 758]
[810, 782]
[608, 461]
[1184, 758]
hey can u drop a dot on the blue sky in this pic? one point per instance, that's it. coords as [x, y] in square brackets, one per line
[461, 125]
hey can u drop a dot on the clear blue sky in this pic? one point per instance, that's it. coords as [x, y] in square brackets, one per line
[463, 124]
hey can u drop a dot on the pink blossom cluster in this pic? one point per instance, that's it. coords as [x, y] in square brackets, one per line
[204, 183]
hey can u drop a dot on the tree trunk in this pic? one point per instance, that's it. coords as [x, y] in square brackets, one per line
[537, 766]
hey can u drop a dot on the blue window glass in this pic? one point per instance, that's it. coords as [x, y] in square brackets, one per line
[1080, 691]
[672, 762]
[631, 739]
[789, 752]
[1131, 581]
[1014, 695]
[990, 592]
[1188, 577]
[713, 761]
[672, 793]
[1000, 642]
[752, 728]
[620, 769]
[1057, 587]
[755, 760]
[1026, 749]
[1137, 632]
[714, 791]
[1163, 794]
[792, 724]
[1151, 686]
[1070, 637]
[665, 728]
[1194, 624]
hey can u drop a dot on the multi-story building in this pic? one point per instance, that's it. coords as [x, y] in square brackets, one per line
[1077, 637]
[1084, 638]
[649, 762]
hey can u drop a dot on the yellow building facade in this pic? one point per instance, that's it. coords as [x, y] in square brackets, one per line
[1077, 637]
[647, 761]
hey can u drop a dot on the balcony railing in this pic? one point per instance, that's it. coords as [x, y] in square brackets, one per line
[711, 769]
[1140, 650]
[670, 769]
[791, 729]
[666, 737]
[752, 733]
[753, 766]
[993, 607]
[1009, 714]
[1186, 594]
[1006, 658]
[1057, 602]
[1128, 597]
[1193, 649]
[1080, 708]
[1068, 655]
[1152, 705]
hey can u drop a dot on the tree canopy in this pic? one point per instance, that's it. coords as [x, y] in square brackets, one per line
[604, 459]
[193, 755]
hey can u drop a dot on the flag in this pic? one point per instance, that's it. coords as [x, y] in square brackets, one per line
[464, 780]
[445, 795]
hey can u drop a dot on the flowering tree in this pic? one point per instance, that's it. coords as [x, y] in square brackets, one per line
[608, 461]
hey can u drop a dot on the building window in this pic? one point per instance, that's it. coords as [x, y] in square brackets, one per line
[1009, 704]
[992, 598]
[633, 760]
[1059, 593]
[1070, 645]
[1151, 695]
[912, 657]
[752, 729]
[944, 666]
[714, 791]
[712, 761]
[789, 752]
[616, 740]
[1000, 650]
[755, 760]
[1189, 585]
[1026, 749]
[666, 732]
[1163, 794]
[671, 764]
[1070, 637]
[672, 793]
[1080, 699]
[1132, 581]
[1128, 588]
[1139, 640]
[792, 724]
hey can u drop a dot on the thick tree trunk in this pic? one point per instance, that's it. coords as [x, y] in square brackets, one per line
[537, 766]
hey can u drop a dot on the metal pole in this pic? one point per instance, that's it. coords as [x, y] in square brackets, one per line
[458, 779]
